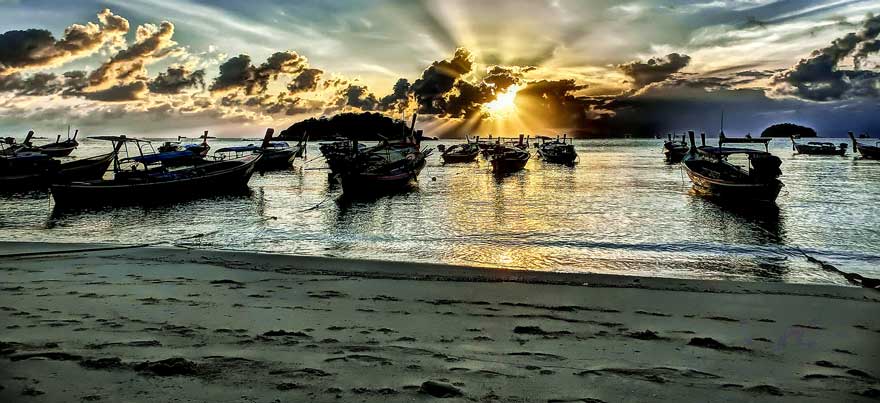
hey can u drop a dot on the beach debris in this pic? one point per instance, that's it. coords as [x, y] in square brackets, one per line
[50, 355]
[766, 389]
[646, 335]
[708, 342]
[537, 331]
[102, 363]
[29, 391]
[288, 386]
[278, 333]
[168, 367]
[440, 389]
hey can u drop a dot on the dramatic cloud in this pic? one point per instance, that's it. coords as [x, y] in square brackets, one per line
[151, 43]
[503, 77]
[358, 96]
[119, 93]
[398, 99]
[467, 99]
[177, 79]
[655, 69]
[238, 73]
[37, 48]
[438, 79]
[555, 101]
[306, 81]
[818, 77]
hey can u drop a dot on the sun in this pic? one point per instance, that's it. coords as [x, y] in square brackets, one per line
[504, 104]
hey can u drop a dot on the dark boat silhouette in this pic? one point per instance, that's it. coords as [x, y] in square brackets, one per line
[819, 148]
[558, 151]
[713, 175]
[386, 167]
[144, 178]
[33, 170]
[507, 160]
[674, 149]
[199, 149]
[461, 153]
[868, 151]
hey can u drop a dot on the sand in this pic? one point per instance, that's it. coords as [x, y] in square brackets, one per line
[167, 324]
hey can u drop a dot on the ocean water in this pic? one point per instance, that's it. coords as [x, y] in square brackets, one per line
[620, 210]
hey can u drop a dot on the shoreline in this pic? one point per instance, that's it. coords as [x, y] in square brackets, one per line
[134, 323]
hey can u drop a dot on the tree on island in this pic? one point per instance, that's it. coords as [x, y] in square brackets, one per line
[365, 126]
[788, 130]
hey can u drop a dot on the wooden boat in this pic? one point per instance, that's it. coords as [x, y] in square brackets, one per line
[141, 181]
[23, 170]
[819, 148]
[507, 160]
[57, 149]
[674, 150]
[86, 168]
[558, 151]
[388, 166]
[869, 151]
[713, 175]
[460, 153]
[199, 149]
[274, 155]
[338, 152]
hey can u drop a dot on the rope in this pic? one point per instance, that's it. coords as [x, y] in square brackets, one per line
[317, 205]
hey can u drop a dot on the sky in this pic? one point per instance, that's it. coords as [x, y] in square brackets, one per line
[587, 68]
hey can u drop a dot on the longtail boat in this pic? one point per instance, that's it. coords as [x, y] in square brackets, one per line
[819, 148]
[143, 179]
[559, 151]
[460, 153]
[674, 149]
[714, 175]
[868, 151]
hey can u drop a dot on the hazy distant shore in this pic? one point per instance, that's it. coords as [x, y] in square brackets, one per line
[155, 324]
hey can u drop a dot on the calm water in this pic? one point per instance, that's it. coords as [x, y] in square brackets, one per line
[620, 210]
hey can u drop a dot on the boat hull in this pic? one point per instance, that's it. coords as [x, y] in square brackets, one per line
[459, 158]
[501, 166]
[565, 159]
[276, 159]
[806, 150]
[229, 177]
[84, 169]
[869, 152]
[706, 186]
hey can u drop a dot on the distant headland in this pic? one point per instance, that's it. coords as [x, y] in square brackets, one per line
[788, 130]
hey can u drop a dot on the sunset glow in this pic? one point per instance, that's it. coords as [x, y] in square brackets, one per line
[503, 105]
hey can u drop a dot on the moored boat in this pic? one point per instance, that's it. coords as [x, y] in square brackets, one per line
[558, 151]
[869, 151]
[388, 166]
[819, 148]
[507, 160]
[138, 181]
[714, 175]
[275, 155]
[199, 149]
[460, 153]
[674, 149]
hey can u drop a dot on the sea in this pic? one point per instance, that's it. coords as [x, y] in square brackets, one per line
[620, 210]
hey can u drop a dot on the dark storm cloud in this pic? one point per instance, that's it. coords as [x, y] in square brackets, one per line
[306, 81]
[438, 79]
[35, 48]
[35, 85]
[467, 100]
[360, 97]
[119, 93]
[238, 73]
[556, 102]
[177, 79]
[503, 77]
[398, 99]
[818, 78]
[655, 69]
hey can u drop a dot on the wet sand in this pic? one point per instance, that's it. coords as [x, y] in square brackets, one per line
[162, 324]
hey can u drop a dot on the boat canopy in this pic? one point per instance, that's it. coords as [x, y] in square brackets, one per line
[238, 149]
[724, 151]
[160, 157]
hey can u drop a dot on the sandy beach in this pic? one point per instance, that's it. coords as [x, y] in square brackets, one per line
[171, 324]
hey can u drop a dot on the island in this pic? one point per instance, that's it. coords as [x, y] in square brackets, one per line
[788, 130]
